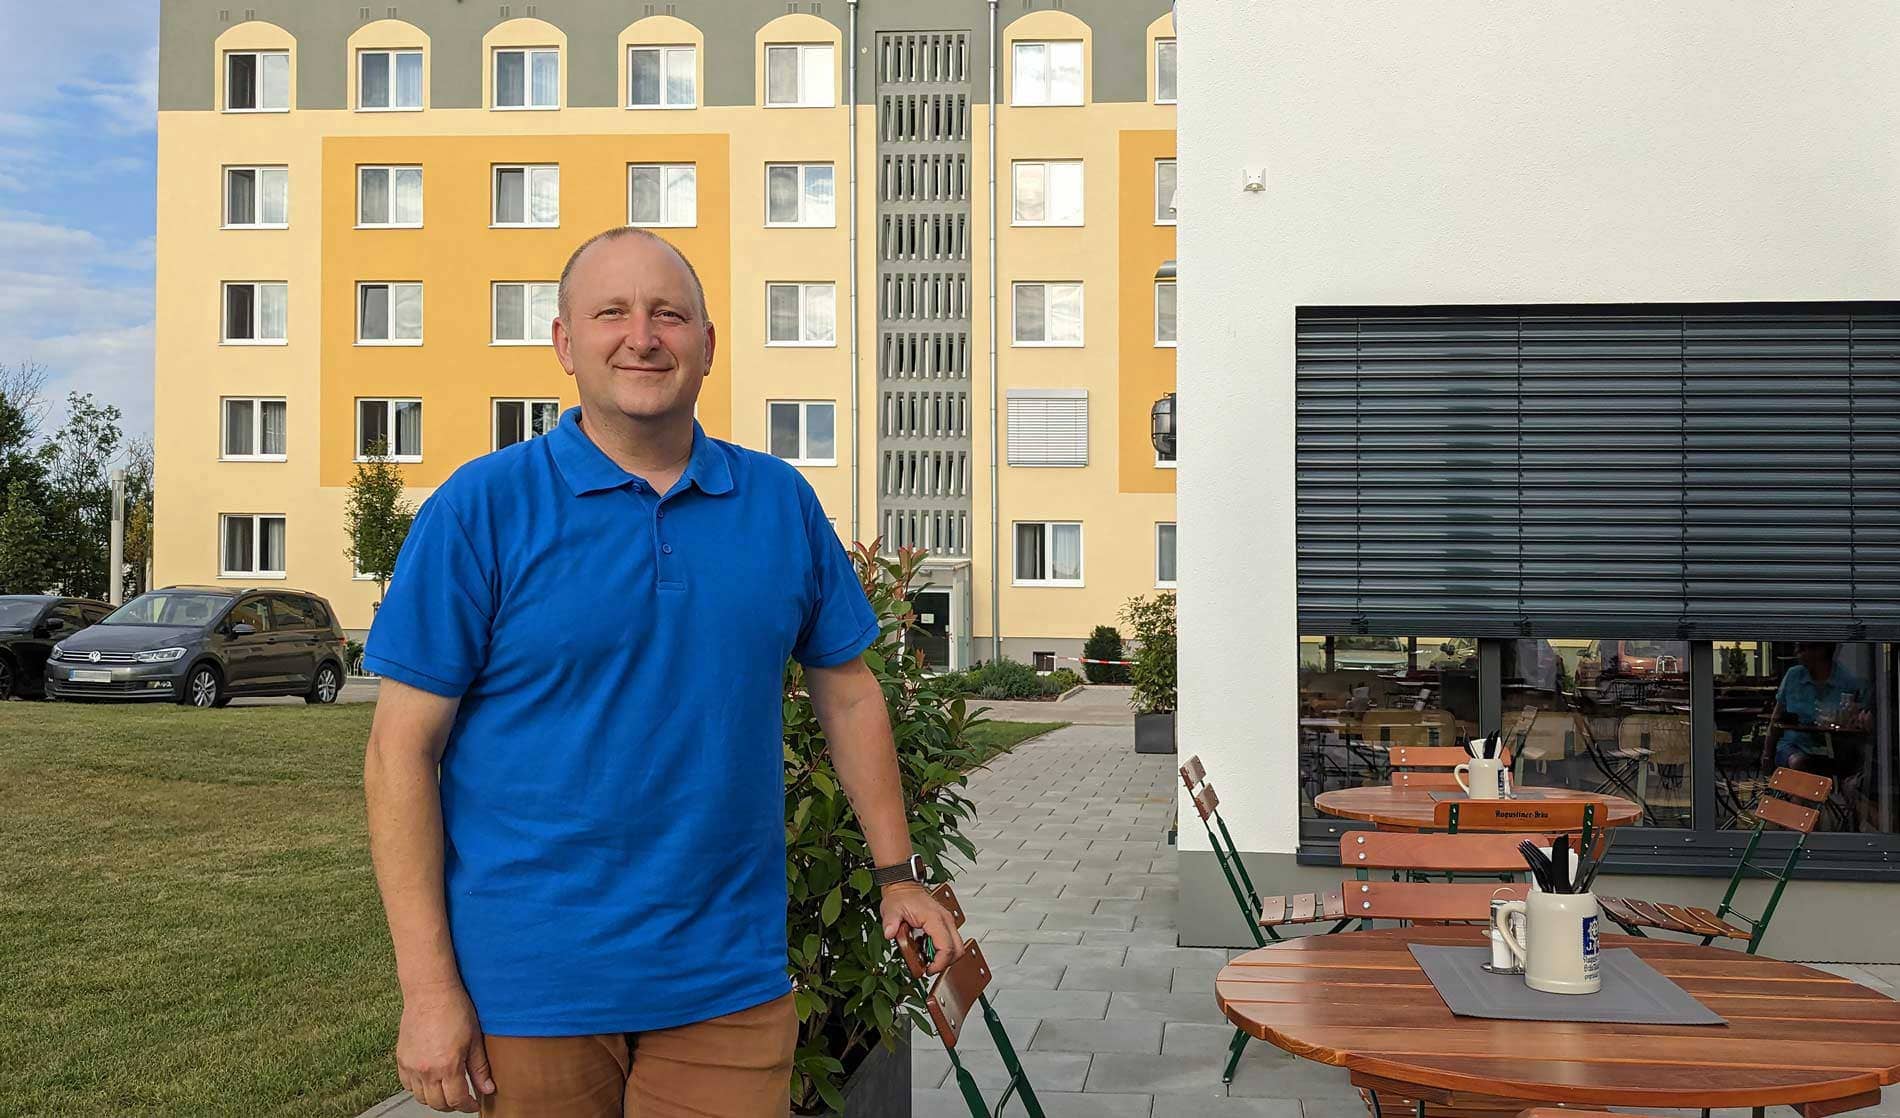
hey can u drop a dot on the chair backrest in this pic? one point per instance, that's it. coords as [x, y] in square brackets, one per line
[1796, 785]
[1409, 727]
[1665, 736]
[1553, 735]
[1396, 850]
[1206, 802]
[955, 992]
[1432, 781]
[1426, 756]
[1193, 773]
[1515, 816]
[1407, 900]
[908, 945]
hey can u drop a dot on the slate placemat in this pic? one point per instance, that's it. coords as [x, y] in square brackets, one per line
[1633, 992]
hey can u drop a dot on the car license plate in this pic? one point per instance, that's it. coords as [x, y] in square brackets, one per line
[80, 676]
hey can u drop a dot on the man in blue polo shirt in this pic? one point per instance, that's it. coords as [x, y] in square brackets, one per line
[575, 774]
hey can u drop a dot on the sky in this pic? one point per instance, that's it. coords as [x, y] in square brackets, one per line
[78, 156]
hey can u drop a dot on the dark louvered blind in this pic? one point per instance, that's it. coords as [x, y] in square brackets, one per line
[1698, 471]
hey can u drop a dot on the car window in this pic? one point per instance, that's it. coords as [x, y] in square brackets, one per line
[287, 614]
[319, 613]
[69, 613]
[94, 614]
[250, 611]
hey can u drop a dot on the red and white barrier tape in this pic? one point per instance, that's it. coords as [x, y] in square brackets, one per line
[1081, 660]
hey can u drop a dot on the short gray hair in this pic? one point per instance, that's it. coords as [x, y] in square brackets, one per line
[616, 233]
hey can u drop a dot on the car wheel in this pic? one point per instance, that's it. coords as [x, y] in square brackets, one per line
[6, 681]
[204, 688]
[326, 687]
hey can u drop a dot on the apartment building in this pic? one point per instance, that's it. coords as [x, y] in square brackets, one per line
[929, 233]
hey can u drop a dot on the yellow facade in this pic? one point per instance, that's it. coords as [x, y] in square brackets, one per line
[456, 255]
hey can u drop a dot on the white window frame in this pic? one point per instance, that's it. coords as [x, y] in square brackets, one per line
[389, 294]
[259, 55]
[392, 52]
[1081, 550]
[668, 52]
[494, 297]
[1166, 463]
[1160, 203]
[256, 170]
[1167, 583]
[667, 220]
[390, 169]
[804, 100]
[1015, 70]
[527, 417]
[1160, 342]
[804, 170]
[1081, 205]
[257, 428]
[528, 171]
[257, 544]
[389, 405]
[1081, 319]
[804, 290]
[804, 431]
[224, 311]
[1156, 65]
[527, 80]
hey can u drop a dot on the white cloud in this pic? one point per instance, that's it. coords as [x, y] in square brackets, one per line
[114, 364]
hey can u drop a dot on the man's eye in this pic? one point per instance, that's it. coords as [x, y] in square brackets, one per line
[672, 316]
[610, 312]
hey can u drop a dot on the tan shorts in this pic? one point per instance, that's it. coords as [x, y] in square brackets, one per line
[736, 1066]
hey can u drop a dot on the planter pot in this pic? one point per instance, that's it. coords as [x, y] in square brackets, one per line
[880, 1087]
[1154, 733]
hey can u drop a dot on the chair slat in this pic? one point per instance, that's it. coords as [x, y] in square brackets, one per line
[1405, 900]
[1333, 905]
[1654, 917]
[1513, 816]
[1426, 756]
[1304, 906]
[1206, 802]
[1460, 853]
[1785, 813]
[907, 945]
[1193, 773]
[1729, 931]
[955, 993]
[1802, 786]
[1273, 910]
[1427, 780]
[1620, 911]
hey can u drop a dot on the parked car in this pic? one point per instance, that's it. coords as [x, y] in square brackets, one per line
[29, 624]
[204, 646]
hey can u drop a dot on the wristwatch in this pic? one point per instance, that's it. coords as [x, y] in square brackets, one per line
[912, 870]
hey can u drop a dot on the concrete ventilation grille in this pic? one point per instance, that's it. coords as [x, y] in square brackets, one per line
[362, 14]
[224, 15]
[250, 13]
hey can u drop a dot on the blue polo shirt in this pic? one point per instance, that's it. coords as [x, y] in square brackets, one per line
[613, 789]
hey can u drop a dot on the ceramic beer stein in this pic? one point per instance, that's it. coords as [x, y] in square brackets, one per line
[1482, 778]
[1553, 936]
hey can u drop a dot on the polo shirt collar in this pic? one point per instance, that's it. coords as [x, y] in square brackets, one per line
[587, 469]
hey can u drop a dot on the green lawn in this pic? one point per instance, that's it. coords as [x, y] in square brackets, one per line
[188, 922]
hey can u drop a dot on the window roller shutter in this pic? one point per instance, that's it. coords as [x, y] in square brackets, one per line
[1048, 427]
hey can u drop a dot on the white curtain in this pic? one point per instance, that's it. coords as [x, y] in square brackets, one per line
[276, 81]
[374, 67]
[546, 417]
[406, 313]
[273, 311]
[274, 195]
[781, 194]
[680, 79]
[547, 79]
[1031, 82]
[1065, 193]
[372, 202]
[1029, 553]
[275, 427]
[821, 312]
[817, 85]
[1029, 313]
[1165, 180]
[237, 543]
[409, 196]
[372, 314]
[544, 195]
[543, 306]
[510, 79]
[781, 75]
[1165, 62]
[271, 554]
[682, 196]
[239, 427]
[1065, 312]
[511, 197]
[409, 80]
[510, 312]
[1164, 312]
[647, 203]
[1065, 73]
[408, 427]
[1065, 552]
[782, 312]
[1032, 192]
[241, 203]
[644, 76]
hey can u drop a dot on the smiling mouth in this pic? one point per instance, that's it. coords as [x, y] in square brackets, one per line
[638, 369]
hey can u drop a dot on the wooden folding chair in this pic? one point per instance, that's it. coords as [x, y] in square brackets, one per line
[1409, 727]
[1634, 915]
[1430, 767]
[950, 999]
[1407, 855]
[1519, 817]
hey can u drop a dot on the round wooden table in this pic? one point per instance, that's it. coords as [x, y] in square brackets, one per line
[1411, 808]
[1795, 1036]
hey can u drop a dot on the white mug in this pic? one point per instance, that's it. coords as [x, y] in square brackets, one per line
[1553, 936]
[1482, 778]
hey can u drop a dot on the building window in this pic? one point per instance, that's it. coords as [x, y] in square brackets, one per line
[525, 312]
[256, 313]
[1047, 73]
[799, 76]
[1044, 661]
[1047, 314]
[256, 197]
[389, 197]
[252, 545]
[1046, 193]
[388, 314]
[804, 432]
[388, 80]
[801, 194]
[257, 81]
[1165, 56]
[255, 430]
[1048, 554]
[661, 77]
[528, 79]
[801, 314]
[528, 196]
[393, 425]
[520, 420]
[662, 194]
[1048, 426]
[1164, 556]
[1361, 695]
[1164, 313]
[1164, 191]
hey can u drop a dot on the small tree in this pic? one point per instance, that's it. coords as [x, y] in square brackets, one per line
[1154, 673]
[26, 556]
[138, 516]
[1105, 643]
[376, 517]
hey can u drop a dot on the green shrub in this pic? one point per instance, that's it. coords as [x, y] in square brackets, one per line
[1154, 671]
[1060, 680]
[1105, 643]
[353, 657]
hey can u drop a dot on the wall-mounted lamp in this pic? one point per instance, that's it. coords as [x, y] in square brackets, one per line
[1161, 426]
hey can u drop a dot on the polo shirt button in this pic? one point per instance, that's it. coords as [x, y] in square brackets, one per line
[667, 548]
[660, 515]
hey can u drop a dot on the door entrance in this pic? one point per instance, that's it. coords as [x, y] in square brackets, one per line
[932, 633]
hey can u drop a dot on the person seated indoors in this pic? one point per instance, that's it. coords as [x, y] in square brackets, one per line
[1815, 692]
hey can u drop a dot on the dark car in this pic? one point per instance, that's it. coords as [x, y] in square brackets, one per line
[29, 625]
[204, 646]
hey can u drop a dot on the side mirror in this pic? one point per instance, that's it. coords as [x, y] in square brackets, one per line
[243, 629]
[55, 624]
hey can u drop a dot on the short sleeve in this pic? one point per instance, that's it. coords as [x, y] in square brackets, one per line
[1785, 692]
[432, 629]
[839, 623]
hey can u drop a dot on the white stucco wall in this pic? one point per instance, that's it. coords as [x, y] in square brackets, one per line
[1475, 151]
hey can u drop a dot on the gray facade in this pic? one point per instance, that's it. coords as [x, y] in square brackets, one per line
[188, 28]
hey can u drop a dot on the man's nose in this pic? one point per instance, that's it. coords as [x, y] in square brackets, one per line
[641, 337]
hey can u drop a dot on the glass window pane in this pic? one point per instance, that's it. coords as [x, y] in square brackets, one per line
[1065, 193]
[1029, 316]
[1164, 312]
[782, 312]
[1065, 73]
[1164, 552]
[511, 196]
[1031, 85]
[1030, 563]
[274, 196]
[820, 195]
[1164, 190]
[781, 194]
[373, 69]
[544, 204]
[276, 81]
[510, 423]
[815, 82]
[1031, 192]
[372, 193]
[372, 426]
[241, 192]
[783, 434]
[372, 313]
[240, 81]
[545, 416]
[239, 427]
[645, 187]
[511, 79]
[273, 311]
[820, 313]
[409, 427]
[270, 557]
[240, 312]
[409, 80]
[407, 313]
[781, 75]
[680, 78]
[510, 312]
[1065, 552]
[409, 196]
[542, 310]
[820, 433]
[547, 79]
[274, 428]
[1164, 69]
[237, 543]
[682, 195]
[1065, 312]
[644, 77]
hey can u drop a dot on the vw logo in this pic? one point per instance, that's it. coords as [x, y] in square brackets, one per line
[93, 656]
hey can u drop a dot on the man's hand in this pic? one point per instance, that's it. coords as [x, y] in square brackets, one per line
[439, 1051]
[908, 905]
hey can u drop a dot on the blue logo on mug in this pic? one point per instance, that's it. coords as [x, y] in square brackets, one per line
[1589, 936]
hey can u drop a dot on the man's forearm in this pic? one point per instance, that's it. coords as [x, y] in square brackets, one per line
[858, 727]
[405, 842]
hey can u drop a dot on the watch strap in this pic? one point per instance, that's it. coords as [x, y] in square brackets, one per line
[912, 870]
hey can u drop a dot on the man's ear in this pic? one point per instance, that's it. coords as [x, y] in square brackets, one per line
[563, 346]
[712, 345]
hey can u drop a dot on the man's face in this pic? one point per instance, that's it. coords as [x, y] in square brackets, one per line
[1813, 657]
[632, 334]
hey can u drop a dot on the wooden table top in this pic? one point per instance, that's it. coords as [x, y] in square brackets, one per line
[1413, 807]
[1359, 1000]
